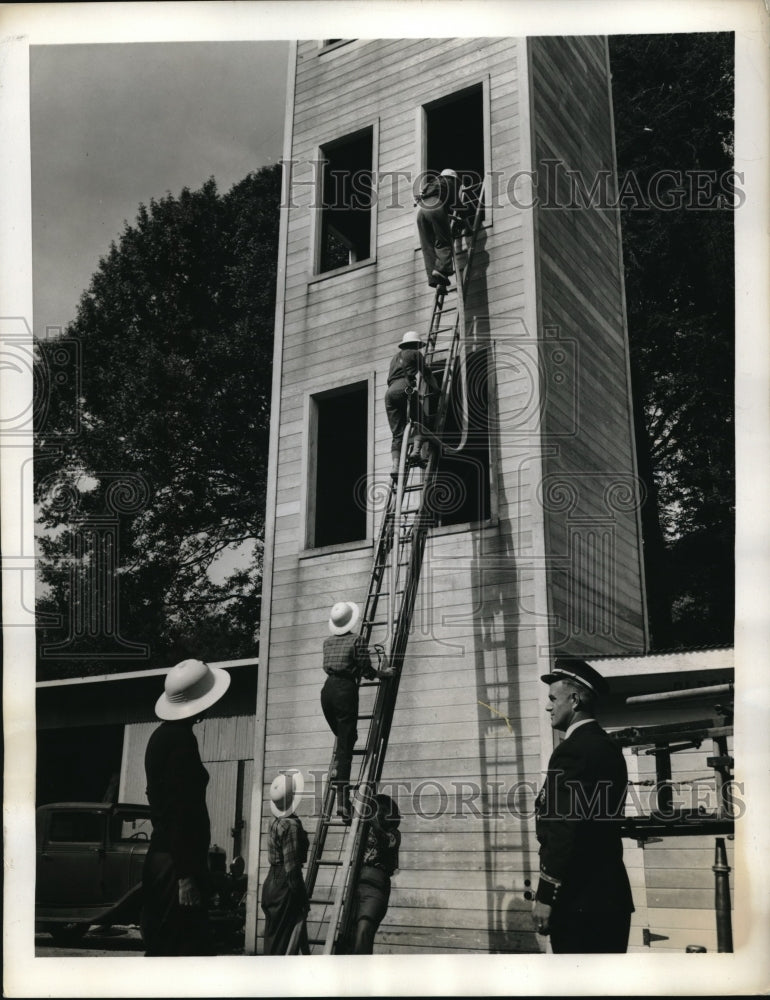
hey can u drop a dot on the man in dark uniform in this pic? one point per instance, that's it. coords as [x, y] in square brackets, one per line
[583, 898]
[174, 918]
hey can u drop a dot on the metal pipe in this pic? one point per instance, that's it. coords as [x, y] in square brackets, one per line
[639, 699]
[721, 871]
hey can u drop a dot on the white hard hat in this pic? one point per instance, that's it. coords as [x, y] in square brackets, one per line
[285, 793]
[449, 173]
[411, 339]
[344, 617]
[191, 686]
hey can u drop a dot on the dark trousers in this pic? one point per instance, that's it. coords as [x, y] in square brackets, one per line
[435, 239]
[589, 932]
[372, 896]
[397, 410]
[282, 909]
[168, 928]
[339, 702]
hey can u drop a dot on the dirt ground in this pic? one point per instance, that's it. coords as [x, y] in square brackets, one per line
[117, 941]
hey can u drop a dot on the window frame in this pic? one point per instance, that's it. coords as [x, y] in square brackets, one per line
[316, 217]
[421, 128]
[321, 389]
[325, 46]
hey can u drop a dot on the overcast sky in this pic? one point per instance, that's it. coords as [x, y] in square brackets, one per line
[116, 125]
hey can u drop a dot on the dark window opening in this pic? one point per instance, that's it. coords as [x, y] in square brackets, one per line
[346, 209]
[341, 466]
[455, 136]
[462, 491]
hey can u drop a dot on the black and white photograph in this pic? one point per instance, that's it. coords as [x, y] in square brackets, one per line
[384, 498]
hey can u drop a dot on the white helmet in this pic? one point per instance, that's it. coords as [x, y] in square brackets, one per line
[412, 339]
[450, 173]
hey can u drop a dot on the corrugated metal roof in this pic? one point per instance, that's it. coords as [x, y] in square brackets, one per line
[675, 661]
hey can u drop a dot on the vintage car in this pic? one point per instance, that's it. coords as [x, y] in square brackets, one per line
[90, 857]
[89, 865]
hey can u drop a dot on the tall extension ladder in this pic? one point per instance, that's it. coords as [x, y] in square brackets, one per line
[395, 577]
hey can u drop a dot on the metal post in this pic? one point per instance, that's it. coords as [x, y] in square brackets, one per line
[721, 871]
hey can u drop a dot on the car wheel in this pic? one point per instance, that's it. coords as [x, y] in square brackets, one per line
[68, 933]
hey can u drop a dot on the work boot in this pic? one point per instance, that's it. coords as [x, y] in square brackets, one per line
[344, 808]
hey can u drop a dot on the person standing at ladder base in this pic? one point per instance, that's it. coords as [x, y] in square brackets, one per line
[379, 863]
[583, 898]
[441, 201]
[345, 661]
[402, 382]
[284, 897]
[174, 918]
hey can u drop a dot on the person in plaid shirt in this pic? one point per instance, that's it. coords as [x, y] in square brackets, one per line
[284, 897]
[345, 661]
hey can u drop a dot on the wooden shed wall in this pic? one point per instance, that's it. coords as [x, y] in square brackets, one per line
[223, 742]
[589, 492]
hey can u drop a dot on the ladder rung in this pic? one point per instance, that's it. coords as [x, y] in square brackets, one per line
[321, 902]
[334, 864]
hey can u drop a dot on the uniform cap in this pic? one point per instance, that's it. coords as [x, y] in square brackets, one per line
[570, 668]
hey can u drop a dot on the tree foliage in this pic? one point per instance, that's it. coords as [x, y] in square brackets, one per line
[174, 345]
[673, 99]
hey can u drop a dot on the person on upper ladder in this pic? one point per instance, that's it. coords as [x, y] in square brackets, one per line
[345, 661]
[402, 382]
[441, 203]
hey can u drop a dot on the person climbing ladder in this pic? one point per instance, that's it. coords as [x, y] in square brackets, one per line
[402, 382]
[441, 203]
[345, 660]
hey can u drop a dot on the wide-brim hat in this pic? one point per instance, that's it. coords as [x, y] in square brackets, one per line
[344, 617]
[191, 687]
[571, 668]
[411, 339]
[285, 792]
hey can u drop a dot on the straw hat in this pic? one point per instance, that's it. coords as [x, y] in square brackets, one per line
[344, 617]
[191, 686]
[285, 793]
